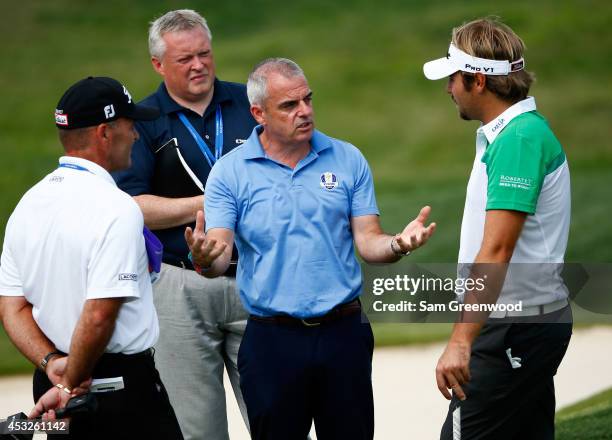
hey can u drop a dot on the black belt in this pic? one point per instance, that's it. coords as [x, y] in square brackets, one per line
[334, 314]
[186, 264]
[149, 352]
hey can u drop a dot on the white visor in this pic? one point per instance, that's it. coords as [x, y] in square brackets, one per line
[458, 60]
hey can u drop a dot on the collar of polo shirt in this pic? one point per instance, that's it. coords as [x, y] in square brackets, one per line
[458, 60]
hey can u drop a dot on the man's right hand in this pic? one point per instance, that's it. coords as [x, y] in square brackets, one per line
[50, 401]
[204, 251]
[56, 369]
[453, 369]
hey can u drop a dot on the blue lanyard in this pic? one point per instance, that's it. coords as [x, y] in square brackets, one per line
[73, 167]
[218, 137]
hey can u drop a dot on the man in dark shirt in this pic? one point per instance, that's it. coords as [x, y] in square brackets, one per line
[202, 118]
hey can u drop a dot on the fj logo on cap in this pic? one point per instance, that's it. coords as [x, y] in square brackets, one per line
[61, 118]
[329, 180]
[109, 111]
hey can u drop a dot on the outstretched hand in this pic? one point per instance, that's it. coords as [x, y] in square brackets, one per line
[415, 234]
[204, 251]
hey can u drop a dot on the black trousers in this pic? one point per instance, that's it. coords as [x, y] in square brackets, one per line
[140, 410]
[506, 402]
[291, 375]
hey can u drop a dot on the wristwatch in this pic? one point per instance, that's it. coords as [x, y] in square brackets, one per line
[47, 358]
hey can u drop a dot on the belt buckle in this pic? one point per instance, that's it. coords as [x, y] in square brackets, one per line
[310, 324]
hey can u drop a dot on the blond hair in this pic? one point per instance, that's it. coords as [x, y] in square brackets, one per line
[491, 39]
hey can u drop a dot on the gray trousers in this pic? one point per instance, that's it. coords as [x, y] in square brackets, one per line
[201, 325]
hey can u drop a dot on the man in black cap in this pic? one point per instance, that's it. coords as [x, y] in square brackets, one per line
[75, 287]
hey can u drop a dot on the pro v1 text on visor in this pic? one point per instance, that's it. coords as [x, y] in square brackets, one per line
[459, 60]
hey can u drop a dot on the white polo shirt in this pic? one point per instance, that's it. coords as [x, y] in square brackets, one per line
[75, 236]
[521, 166]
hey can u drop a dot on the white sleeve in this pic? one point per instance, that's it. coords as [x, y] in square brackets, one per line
[10, 279]
[118, 256]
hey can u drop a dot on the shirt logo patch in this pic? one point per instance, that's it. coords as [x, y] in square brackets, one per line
[515, 182]
[240, 141]
[128, 277]
[329, 181]
[499, 124]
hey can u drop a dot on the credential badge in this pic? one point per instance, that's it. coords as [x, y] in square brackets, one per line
[329, 180]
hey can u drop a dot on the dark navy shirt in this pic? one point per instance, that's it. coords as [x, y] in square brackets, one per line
[160, 172]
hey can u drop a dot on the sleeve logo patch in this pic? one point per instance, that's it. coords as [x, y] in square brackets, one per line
[128, 277]
[515, 182]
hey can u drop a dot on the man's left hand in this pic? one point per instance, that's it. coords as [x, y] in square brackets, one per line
[56, 368]
[415, 234]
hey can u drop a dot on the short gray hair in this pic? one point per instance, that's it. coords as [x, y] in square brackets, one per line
[257, 84]
[173, 21]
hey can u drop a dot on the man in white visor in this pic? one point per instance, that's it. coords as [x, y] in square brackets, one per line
[500, 367]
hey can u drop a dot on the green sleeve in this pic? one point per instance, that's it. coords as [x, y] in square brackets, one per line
[516, 168]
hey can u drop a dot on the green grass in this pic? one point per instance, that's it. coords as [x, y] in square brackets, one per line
[589, 419]
[363, 60]
[11, 361]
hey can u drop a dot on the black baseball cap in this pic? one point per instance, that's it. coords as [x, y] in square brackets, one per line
[95, 100]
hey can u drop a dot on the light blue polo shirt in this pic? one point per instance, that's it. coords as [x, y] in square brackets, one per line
[292, 227]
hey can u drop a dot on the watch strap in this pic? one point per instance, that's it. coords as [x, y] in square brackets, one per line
[47, 358]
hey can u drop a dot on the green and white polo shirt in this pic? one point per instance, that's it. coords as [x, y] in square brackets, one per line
[520, 165]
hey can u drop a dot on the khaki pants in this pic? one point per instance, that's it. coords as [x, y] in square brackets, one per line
[201, 325]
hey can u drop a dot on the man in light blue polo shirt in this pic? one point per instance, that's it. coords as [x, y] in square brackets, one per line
[296, 200]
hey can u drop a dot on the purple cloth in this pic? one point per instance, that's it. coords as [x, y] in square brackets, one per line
[155, 249]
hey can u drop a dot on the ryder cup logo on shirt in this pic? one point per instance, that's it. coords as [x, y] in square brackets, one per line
[329, 180]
